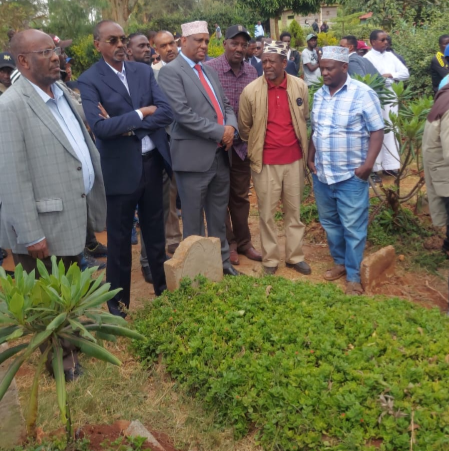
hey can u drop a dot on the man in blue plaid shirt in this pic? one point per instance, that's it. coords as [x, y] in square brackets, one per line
[347, 137]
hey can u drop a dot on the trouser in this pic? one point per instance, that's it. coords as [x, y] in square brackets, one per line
[280, 182]
[237, 227]
[120, 216]
[91, 239]
[172, 230]
[69, 351]
[208, 191]
[343, 209]
[446, 240]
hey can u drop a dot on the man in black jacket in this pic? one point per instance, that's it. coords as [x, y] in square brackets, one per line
[438, 66]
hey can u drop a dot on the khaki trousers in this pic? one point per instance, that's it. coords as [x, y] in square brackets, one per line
[274, 183]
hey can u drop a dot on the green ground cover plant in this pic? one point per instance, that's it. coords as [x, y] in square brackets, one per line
[306, 366]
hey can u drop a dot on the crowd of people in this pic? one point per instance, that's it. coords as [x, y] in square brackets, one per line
[158, 127]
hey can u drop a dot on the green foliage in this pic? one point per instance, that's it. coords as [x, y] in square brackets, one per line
[305, 365]
[19, 14]
[274, 8]
[84, 54]
[298, 36]
[73, 19]
[418, 45]
[387, 13]
[224, 13]
[40, 313]
[215, 48]
[327, 39]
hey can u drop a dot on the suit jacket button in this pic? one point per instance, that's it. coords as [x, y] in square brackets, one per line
[83, 195]
[79, 168]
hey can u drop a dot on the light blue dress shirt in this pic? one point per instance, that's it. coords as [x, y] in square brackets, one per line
[192, 64]
[147, 143]
[342, 124]
[69, 124]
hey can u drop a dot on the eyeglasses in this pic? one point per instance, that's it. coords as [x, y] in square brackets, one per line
[156, 58]
[47, 53]
[114, 40]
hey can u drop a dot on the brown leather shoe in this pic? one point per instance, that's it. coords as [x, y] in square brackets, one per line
[252, 254]
[234, 257]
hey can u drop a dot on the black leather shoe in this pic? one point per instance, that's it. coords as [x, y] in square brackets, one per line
[270, 270]
[231, 271]
[301, 267]
[146, 272]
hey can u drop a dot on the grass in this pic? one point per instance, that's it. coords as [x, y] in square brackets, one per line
[107, 393]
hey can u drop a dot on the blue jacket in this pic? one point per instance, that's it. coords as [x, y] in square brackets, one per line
[119, 139]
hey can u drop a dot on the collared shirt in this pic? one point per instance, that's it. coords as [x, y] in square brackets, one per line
[341, 125]
[147, 143]
[387, 63]
[281, 144]
[71, 128]
[233, 85]
[192, 64]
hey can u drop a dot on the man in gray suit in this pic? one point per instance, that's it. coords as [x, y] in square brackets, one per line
[357, 64]
[51, 176]
[201, 136]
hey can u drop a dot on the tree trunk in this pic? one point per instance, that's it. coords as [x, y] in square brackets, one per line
[119, 11]
[276, 28]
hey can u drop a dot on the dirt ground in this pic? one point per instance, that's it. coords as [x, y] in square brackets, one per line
[418, 286]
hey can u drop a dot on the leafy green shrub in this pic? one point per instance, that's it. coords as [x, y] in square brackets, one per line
[84, 54]
[59, 306]
[298, 37]
[305, 365]
[418, 45]
[215, 47]
[327, 39]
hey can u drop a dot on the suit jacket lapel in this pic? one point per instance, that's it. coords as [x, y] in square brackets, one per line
[45, 115]
[190, 72]
[133, 85]
[112, 80]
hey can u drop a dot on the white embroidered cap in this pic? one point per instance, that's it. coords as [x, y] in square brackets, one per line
[197, 27]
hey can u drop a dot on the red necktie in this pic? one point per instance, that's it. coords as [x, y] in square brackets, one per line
[210, 93]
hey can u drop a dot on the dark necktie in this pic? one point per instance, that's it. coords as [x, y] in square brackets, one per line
[210, 93]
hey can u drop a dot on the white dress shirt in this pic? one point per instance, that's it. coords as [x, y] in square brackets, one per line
[71, 128]
[147, 143]
[69, 124]
[387, 63]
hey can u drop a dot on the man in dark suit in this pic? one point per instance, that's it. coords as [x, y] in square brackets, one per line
[201, 137]
[357, 64]
[133, 146]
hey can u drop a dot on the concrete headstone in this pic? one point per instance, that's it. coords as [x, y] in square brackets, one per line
[377, 268]
[195, 255]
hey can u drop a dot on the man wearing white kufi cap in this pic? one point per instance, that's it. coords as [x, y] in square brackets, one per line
[347, 136]
[201, 136]
[277, 149]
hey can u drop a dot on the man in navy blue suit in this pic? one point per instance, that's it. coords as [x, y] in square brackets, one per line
[134, 149]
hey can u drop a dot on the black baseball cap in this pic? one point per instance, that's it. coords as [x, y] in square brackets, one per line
[6, 60]
[234, 30]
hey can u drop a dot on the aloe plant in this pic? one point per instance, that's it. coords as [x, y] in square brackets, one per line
[40, 313]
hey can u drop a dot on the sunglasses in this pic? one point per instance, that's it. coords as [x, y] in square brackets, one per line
[156, 58]
[114, 40]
